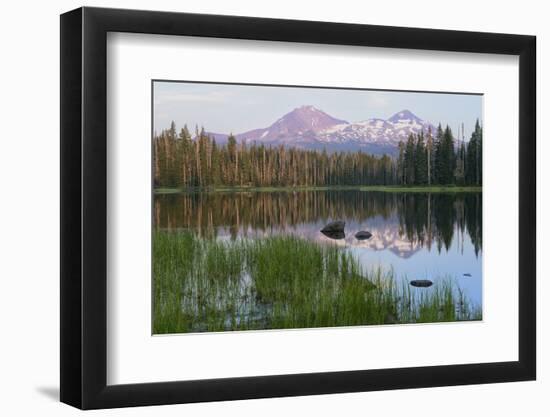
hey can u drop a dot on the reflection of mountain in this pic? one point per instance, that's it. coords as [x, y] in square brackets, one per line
[386, 235]
[389, 238]
[401, 223]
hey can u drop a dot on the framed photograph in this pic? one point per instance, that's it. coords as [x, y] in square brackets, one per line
[256, 208]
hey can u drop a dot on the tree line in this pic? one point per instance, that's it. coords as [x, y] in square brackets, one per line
[425, 159]
[182, 160]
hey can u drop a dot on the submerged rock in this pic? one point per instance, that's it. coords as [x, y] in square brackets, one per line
[421, 283]
[334, 235]
[333, 227]
[363, 235]
[467, 274]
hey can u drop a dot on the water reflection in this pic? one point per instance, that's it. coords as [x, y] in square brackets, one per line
[399, 221]
[431, 236]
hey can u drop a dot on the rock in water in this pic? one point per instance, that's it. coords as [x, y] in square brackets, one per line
[333, 227]
[467, 274]
[334, 235]
[421, 283]
[363, 235]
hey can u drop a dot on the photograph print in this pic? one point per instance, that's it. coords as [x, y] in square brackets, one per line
[291, 207]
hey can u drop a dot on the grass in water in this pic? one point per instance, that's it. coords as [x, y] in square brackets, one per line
[280, 283]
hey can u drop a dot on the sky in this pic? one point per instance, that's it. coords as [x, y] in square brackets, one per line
[236, 108]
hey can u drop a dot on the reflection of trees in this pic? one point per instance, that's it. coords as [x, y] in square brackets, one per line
[444, 217]
[435, 218]
[426, 219]
[473, 214]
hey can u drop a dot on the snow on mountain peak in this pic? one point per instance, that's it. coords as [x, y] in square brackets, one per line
[382, 133]
[405, 115]
[308, 127]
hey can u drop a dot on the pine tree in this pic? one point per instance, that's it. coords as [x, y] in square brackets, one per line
[421, 162]
[429, 155]
[401, 163]
[410, 161]
[448, 158]
[479, 167]
[460, 164]
[232, 157]
[474, 157]
[438, 164]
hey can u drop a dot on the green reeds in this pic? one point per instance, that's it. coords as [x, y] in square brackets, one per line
[283, 282]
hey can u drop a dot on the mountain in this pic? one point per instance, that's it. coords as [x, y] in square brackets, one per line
[376, 135]
[297, 127]
[404, 116]
[307, 127]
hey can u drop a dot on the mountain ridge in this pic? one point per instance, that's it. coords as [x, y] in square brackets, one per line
[308, 127]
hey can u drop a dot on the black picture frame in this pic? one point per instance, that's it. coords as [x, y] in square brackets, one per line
[84, 207]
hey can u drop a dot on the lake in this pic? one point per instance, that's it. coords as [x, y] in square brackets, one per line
[435, 236]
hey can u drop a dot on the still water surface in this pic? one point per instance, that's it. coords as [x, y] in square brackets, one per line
[431, 236]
